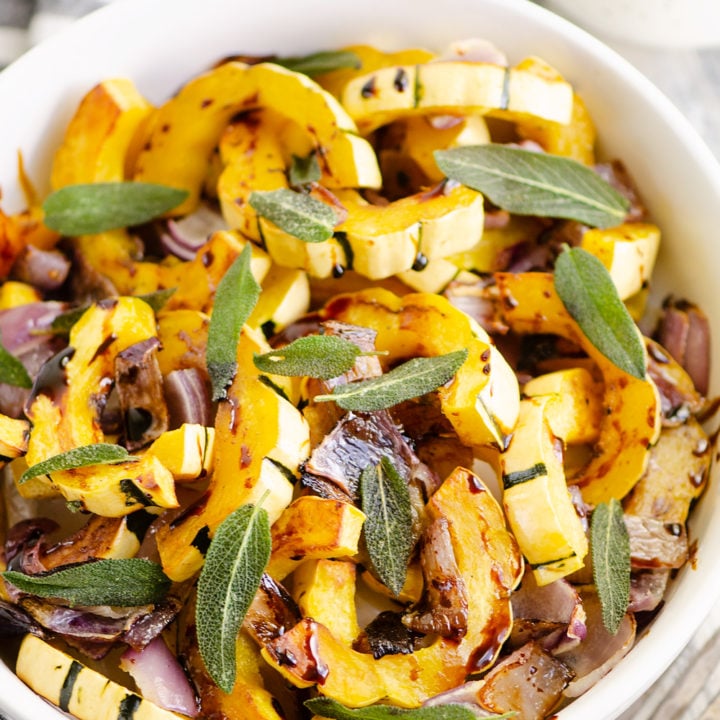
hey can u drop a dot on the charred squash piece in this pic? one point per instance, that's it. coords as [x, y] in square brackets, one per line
[311, 528]
[628, 251]
[260, 440]
[100, 140]
[65, 409]
[490, 566]
[536, 499]
[325, 590]
[370, 59]
[574, 406]
[483, 400]
[113, 256]
[575, 139]
[78, 689]
[201, 276]
[631, 421]
[249, 698]
[197, 115]
[183, 339]
[14, 436]
[455, 87]
[187, 452]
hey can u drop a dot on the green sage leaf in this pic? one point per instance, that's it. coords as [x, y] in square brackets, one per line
[157, 300]
[320, 62]
[234, 565]
[302, 216]
[534, 183]
[235, 297]
[12, 371]
[83, 456]
[125, 582]
[385, 500]
[304, 170]
[589, 295]
[328, 708]
[85, 209]
[611, 562]
[409, 380]
[318, 356]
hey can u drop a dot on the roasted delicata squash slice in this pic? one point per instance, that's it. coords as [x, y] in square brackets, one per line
[325, 590]
[455, 87]
[14, 436]
[421, 138]
[74, 385]
[183, 339]
[78, 689]
[101, 139]
[537, 503]
[201, 275]
[312, 528]
[113, 255]
[574, 406]
[285, 297]
[260, 440]
[370, 59]
[65, 409]
[187, 452]
[197, 115]
[631, 420]
[489, 565]
[14, 294]
[482, 402]
[628, 251]
[386, 240]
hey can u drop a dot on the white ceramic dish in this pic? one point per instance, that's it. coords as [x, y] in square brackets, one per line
[162, 43]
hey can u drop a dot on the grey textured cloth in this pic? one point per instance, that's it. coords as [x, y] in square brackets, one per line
[24, 23]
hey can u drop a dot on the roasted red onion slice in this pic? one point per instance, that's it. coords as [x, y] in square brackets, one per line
[188, 398]
[160, 678]
[647, 589]
[184, 237]
[601, 651]
[43, 269]
[656, 544]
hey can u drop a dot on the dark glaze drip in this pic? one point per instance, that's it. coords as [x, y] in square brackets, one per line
[317, 670]
[103, 346]
[201, 541]
[474, 484]
[421, 262]
[368, 89]
[52, 378]
[401, 81]
[495, 634]
[338, 270]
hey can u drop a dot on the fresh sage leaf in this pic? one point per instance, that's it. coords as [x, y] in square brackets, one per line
[124, 582]
[63, 323]
[611, 562]
[12, 371]
[320, 62]
[234, 565]
[304, 170]
[589, 295]
[300, 215]
[328, 708]
[385, 500]
[534, 183]
[85, 209]
[409, 380]
[318, 356]
[235, 297]
[98, 454]
[156, 300]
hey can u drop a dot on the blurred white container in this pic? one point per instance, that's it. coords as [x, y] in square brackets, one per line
[658, 23]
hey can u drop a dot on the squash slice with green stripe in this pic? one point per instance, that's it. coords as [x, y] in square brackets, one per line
[536, 499]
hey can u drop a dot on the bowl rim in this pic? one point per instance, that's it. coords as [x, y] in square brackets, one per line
[648, 651]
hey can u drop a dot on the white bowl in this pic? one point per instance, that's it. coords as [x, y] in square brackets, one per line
[161, 44]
